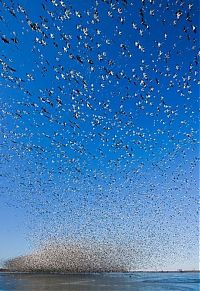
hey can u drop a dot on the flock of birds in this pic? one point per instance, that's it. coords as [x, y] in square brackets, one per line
[99, 130]
[74, 258]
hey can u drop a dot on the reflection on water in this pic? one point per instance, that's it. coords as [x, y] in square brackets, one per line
[101, 282]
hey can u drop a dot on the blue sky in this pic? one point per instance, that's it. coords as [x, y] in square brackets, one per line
[99, 125]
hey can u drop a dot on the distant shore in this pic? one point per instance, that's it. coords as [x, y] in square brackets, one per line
[3, 270]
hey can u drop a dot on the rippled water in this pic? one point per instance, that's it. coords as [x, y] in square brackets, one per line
[100, 282]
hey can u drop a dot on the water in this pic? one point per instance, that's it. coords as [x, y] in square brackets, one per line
[101, 282]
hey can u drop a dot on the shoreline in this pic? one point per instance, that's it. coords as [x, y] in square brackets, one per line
[89, 273]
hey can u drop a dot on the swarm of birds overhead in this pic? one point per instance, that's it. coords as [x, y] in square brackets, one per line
[74, 257]
[99, 125]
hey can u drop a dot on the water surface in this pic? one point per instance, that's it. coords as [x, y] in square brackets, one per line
[101, 282]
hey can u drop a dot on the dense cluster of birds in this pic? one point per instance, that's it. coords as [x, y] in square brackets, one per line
[73, 258]
[99, 128]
